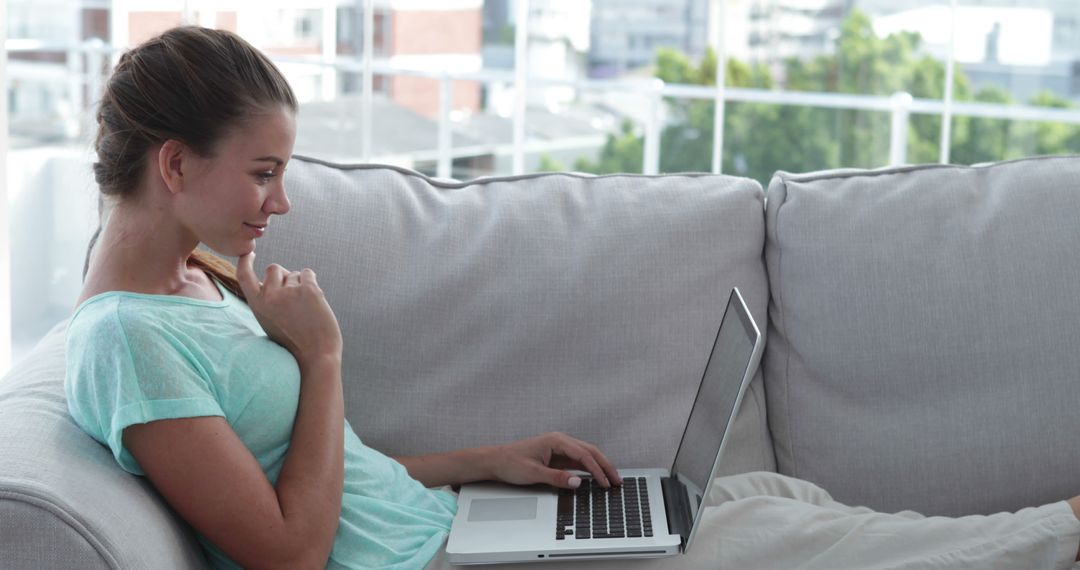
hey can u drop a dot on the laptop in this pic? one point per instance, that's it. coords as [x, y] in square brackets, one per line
[654, 514]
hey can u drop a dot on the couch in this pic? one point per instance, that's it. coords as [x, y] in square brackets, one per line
[922, 327]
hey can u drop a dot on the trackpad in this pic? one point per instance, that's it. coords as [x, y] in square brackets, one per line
[481, 510]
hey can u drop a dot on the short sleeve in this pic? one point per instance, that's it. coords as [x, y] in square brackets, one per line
[124, 370]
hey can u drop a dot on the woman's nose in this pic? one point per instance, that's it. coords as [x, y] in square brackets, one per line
[278, 202]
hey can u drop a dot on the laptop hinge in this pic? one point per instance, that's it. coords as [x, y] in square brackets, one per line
[677, 505]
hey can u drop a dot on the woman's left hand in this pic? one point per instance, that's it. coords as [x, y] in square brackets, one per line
[542, 459]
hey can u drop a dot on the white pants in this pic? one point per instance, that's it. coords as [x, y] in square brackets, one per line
[763, 520]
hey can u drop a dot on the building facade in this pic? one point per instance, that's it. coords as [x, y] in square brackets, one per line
[625, 34]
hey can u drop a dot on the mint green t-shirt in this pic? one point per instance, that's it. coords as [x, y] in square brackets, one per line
[134, 358]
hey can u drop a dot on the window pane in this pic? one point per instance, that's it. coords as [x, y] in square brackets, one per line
[982, 139]
[582, 137]
[571, 126]
[52, 197]
[1017, 55]
[328, 124]
[871, 49]
[819, 48]
[760, 136]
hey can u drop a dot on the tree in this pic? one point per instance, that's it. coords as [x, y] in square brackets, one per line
[621, 153]
[548, 164]
[980, 139]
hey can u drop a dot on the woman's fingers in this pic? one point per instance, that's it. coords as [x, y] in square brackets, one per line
[583, 457]
[275, 275]
[605, 463]
[591, 459]
[245, 275]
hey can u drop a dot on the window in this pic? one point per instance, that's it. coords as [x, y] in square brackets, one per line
[809, 86]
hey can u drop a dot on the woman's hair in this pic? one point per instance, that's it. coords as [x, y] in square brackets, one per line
[189, 84]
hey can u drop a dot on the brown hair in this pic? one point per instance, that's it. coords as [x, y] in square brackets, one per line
[189, 84]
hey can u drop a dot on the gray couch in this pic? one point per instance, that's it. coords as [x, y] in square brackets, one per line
[922, 332]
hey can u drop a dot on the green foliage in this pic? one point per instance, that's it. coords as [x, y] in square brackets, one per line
[621, 153]
[548, 164]
[760, 138]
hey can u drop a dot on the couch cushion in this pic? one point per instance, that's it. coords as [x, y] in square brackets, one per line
[923, 327]
[64, 502]
[484, 312]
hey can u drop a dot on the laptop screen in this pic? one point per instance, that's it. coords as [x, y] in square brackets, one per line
[717, 395]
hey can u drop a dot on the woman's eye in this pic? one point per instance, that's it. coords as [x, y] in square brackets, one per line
[264, 177]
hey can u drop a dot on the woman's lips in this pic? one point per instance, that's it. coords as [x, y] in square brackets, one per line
[256, 231]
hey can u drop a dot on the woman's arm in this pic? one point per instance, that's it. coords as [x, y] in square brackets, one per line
[208, 476]
[540, 459]
[452, 468]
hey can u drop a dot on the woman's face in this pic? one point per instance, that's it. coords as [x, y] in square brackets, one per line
[230, 197]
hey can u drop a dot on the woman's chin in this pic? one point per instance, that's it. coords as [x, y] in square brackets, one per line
[235, 249]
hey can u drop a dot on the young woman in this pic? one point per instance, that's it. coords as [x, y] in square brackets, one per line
[225, 390]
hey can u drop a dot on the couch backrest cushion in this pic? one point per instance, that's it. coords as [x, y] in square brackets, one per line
[923, 333]
[483, 312]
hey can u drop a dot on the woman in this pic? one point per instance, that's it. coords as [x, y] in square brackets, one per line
[225, 391]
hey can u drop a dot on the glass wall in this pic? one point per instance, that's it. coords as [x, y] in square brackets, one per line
[469, 88]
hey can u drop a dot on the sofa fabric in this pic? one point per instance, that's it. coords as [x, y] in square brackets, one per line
[922, 334]
[484, 312]
[64, 502]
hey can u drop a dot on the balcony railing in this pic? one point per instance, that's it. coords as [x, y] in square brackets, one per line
[83, 59]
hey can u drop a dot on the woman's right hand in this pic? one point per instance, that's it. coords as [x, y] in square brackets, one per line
[292, 309]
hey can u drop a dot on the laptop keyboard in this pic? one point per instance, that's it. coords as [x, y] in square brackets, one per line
[592, 511]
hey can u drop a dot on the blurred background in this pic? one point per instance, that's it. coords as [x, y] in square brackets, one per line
[469, 88]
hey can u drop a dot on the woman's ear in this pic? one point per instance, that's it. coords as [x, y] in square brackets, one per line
[170, 162]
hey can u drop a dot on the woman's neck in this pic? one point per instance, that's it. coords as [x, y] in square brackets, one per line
[142, 250]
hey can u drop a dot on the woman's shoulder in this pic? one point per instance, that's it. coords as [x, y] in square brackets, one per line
[95, 311]
[116, 315]
[101, 321]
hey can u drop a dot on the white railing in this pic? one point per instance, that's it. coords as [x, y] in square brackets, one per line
[652, 91]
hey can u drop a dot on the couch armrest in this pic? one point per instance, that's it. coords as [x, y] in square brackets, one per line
[64, 502]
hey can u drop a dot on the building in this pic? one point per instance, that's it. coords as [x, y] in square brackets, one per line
[777, 30]
[625, 34]
[431, 36]
[52, 87]
[558, 48]
[426, 35]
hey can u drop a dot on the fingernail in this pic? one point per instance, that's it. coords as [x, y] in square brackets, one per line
[575, 482]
